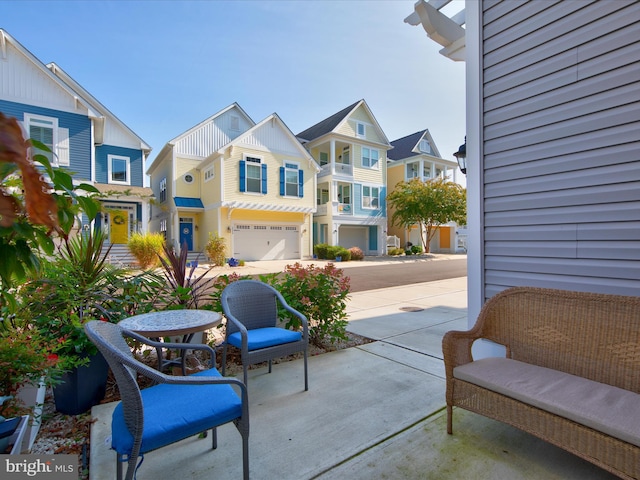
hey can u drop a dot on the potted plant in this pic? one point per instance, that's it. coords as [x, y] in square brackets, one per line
[26, 363]
[77, 286]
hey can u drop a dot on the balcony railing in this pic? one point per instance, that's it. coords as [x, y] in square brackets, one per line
[340, 168]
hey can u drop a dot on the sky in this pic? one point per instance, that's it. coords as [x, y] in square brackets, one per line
[162, 67]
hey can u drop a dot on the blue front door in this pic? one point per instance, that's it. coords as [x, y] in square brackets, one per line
[186, 235]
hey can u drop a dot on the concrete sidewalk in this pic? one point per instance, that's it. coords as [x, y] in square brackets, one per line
[373, 411]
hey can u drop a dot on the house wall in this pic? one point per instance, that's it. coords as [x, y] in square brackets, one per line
[273, 162]
[79, 127]
[182, 188]
[135, 159]
[559, 174]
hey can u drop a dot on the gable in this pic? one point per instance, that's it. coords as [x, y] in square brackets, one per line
[362, 115]
[270, 136]
[212, 134]
[26, 80]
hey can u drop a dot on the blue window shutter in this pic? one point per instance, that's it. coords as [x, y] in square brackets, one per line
[300, 183]
[243, 176]
[264, 178]
[282, 181]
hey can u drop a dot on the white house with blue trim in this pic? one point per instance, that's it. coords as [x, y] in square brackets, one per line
[83, 135]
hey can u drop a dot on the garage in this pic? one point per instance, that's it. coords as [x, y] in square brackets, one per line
[353, 237]
[266, 242]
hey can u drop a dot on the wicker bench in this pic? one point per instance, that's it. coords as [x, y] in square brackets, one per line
[571, 375]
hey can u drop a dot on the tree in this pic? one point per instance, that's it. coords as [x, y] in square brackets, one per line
[428, 205]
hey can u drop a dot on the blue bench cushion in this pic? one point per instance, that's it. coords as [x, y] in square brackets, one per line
[174, 412]
[265, 337]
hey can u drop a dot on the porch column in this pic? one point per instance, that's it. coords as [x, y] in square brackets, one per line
[332, 156]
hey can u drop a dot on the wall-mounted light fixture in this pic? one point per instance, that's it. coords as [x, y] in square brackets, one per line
[228, 229]
[461, 156]
[196, 228]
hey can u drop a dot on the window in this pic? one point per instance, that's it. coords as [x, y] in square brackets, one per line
[324, 158]
[360, 130]
[291, 180]
[344, 194]
[163, 190]
[188, 178]
[344, 158]
[163, 228]
[370, 197]
[253, 175]
[425, 147]
[209, 174]
[412, 170]
[45, 130]
[369, 157]
[323, 196]
[119, 169]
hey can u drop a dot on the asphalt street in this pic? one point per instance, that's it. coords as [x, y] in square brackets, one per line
[374, 276]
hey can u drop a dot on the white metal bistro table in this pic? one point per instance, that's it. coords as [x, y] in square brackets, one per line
[170, 323]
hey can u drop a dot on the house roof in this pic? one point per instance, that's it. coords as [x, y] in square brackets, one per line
[82, 98]
[187, 202]
[99, 107]
[171, 143]
[408, 146]
[271, 118]
[327, 125]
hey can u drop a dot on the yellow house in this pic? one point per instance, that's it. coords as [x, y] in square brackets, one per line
[416, 156]
[253, 184]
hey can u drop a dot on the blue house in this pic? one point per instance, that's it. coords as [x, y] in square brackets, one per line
[351, 149]
[83, 135]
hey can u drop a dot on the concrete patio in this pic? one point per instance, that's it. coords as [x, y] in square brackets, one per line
[373, 411]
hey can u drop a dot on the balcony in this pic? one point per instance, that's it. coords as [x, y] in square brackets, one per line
[340, 169]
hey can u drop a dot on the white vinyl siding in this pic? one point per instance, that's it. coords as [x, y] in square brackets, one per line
[561, 168]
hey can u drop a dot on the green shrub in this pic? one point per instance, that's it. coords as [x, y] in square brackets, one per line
[395, 251]
[416, 249]
[356, 253]
[408, 252]
[337, 251]
[216, 249]
[146, 248]
[318, 293]
[321, 250]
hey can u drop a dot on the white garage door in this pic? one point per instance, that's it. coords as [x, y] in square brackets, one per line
[353, 237]
[266, 242]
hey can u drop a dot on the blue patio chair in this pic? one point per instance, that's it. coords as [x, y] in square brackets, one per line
[174, 408]
[251, 310]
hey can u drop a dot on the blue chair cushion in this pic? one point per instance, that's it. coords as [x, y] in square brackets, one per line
[265, 337]
[175, 412]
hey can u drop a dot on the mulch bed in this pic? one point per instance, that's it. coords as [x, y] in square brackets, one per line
[71, 434]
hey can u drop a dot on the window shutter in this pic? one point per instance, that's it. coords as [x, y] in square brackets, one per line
[264, 178]
[243, 176]
[63, 147]
[282, 182]
[300, 183]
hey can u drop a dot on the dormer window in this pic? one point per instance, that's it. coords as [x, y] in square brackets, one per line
[425, 146]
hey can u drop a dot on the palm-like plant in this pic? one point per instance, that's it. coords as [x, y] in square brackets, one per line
[185, 289]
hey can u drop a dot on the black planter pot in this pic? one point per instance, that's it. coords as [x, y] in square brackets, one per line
[83, 387]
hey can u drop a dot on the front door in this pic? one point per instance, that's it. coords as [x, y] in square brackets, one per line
[186, 233]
